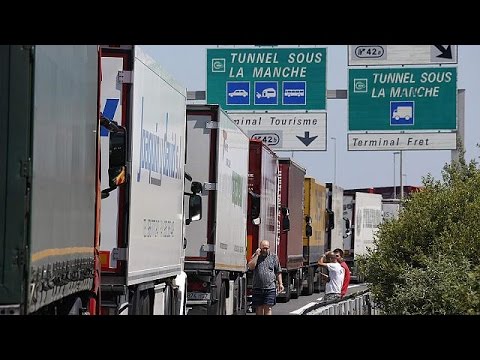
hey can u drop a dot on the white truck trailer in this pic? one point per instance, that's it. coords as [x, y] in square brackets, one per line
[362, 215]
[215, 259]
[334, 221]
[48, 182]
[142, 224]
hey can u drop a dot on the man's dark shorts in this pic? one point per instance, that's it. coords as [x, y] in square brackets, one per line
[264, 297]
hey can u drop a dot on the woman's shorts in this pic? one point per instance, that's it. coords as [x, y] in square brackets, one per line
[264, 297]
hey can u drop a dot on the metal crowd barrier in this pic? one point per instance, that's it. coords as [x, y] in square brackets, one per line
[359, 303]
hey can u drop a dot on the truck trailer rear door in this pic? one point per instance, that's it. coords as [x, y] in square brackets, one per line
[15, 126]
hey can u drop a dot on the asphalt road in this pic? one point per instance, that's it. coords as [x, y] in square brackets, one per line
[295, 306]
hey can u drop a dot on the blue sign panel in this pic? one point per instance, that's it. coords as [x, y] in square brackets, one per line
[294, 93]
[238, 93]
[266, 93]
[402, 112]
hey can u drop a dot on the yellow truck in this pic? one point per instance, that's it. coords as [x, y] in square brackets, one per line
[314, 205]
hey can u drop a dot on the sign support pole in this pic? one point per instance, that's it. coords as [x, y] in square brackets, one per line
[461, 124]
[401, 175]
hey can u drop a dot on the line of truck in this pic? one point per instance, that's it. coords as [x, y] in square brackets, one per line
[120, 197]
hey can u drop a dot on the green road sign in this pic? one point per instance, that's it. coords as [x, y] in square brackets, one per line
[267, 79]
[400, 99]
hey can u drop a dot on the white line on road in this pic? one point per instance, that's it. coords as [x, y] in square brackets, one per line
[355, 285]
[299, 311]
[321, 298]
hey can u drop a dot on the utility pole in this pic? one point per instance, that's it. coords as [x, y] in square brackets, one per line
[394, 174]
[461, 124]
[334, 161]
[401, 177]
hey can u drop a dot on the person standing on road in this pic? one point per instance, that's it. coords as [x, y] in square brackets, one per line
[265, 267]
[346, 278]
[336, 273]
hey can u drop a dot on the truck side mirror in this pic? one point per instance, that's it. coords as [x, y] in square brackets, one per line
[286, 220]
[118, 148]
[330, 220]
[196, 187]
[308, 226]
[117, 160]
[194, 208]
[348, 229]
[194, 201]
[255, 211]
[347, 223]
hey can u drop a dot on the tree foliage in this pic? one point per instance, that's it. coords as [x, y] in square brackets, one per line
[427, 261]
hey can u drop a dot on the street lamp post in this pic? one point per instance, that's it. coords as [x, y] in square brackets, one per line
[395, 174]
[334, 160]
[401, 177]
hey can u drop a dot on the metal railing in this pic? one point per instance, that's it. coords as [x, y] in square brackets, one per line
[359, 303]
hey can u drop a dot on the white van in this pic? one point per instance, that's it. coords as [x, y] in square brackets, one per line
[404, 112]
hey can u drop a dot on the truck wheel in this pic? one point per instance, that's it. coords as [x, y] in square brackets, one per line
[310, 280]
[145, 303]
[141, 303]
[243, 294]
[219, 307]
[185, 311]
[76, 308]
[361, 278]
[143, 307]
[297, 285]
[241, 298]
[286, 284]
[223, 300]
[237, 293]
[169, 301]
[316, 284]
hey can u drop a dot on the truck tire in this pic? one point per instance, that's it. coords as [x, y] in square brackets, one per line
[145, 303]
[141, 303]
[310, 280]
[297, 284]
[243, 292]
[76, 307]
[223, 299]
[361, 278]
[286, 284]
[240, 298]
[316, 284]
[219, 307]
[167, 300]
[170, 301]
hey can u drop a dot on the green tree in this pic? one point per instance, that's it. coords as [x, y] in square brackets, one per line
[428, 260]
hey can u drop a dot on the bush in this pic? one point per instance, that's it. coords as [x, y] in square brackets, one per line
[427, 261]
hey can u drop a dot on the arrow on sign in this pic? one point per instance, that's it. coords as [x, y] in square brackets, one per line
[307, 140]
[445, 53]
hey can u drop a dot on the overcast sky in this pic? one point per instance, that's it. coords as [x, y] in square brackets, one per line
[355, 169]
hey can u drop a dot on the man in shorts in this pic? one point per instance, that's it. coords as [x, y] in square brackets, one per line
[265, 267]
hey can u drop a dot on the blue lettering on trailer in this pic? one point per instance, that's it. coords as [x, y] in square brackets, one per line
[159, 155]
[109, 112]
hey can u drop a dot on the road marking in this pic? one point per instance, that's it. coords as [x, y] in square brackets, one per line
[355, 285]
[299, 311]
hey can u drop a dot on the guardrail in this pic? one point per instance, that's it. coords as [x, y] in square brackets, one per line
[359, 303]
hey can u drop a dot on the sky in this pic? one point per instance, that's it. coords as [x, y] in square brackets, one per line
[354, 169]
